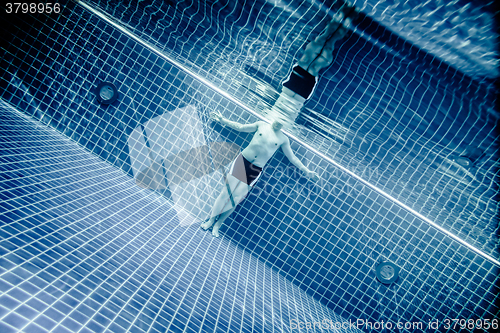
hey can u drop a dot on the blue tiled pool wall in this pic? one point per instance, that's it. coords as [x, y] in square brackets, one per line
[84, 249]
[323, 231]
[400, 115]
[329, 238]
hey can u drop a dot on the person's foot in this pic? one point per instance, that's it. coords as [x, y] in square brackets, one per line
[215, 231]
[206, 225]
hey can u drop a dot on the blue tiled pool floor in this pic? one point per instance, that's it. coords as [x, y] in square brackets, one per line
[84, 249]
[74, 221]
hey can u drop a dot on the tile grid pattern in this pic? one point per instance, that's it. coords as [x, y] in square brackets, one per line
[351, 235]
[387, 115]
[120, 262]
[338, 294]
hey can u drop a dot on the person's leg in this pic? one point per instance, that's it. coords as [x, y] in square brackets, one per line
[239, 193]
[318, 53]
[223, 202]
[220, 221]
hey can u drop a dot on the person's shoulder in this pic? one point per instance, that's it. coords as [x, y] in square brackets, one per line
[285, 139]
[255, 124]
[260, 124]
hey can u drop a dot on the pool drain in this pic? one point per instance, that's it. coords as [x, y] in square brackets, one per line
[106, 93]
[387, 272]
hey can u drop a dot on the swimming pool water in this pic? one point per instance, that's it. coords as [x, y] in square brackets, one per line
[326, 240]
[398, 112]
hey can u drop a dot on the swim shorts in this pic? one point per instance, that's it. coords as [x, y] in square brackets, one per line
[245, 171]
[301, 82]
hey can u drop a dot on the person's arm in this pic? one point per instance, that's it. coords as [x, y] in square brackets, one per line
[234, 125]
[287, 150]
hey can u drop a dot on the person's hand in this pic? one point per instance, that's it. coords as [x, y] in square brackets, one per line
[312, 176]
[217, 116]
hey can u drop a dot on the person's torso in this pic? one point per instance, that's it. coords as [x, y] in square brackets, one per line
[264, 144]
